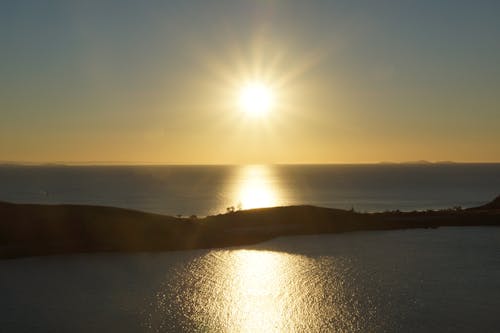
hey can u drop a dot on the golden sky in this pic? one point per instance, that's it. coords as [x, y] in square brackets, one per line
[128, 82]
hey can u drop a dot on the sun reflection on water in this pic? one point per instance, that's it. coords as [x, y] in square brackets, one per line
[256, 187]
[258, 295]
[255, 290]
[250, 290]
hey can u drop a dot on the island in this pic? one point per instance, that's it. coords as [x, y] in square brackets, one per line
[35, 230]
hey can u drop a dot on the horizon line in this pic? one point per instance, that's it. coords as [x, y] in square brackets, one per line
[142, 163]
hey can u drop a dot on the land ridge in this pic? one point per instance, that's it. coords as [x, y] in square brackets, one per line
[35, 229]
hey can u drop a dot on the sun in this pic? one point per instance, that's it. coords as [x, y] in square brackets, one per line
[256, 98]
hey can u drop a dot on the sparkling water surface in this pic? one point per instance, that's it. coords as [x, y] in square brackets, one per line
[444, 280]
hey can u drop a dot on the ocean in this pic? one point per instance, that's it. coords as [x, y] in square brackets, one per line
[206, 190]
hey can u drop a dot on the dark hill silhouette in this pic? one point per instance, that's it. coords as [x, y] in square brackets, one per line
[30, 229]
[495, 204]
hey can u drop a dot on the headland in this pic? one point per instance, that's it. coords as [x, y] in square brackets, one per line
[35, 230]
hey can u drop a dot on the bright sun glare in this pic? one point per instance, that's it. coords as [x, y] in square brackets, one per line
[256, 98]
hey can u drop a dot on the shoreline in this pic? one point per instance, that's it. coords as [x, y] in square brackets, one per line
[36, 230]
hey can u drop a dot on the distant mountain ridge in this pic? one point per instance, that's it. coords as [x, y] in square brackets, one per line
[420, 162]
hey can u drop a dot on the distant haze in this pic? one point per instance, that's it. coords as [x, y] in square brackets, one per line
[155, 82]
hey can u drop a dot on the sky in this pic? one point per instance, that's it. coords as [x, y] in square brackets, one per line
[157, 81]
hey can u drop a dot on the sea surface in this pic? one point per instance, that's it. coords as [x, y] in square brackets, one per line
[205, 190]
[442, 280]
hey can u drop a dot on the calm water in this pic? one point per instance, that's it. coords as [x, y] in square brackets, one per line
[444, 280]
[399, 281]
[204, 190]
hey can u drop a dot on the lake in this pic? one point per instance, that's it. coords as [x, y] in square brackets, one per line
[443, 280]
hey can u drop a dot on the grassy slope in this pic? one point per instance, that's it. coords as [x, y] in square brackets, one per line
[29, 229]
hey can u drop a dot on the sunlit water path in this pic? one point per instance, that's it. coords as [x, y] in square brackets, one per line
[444, 280]
[204, 190]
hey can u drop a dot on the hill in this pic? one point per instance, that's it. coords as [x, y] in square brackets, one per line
[31, 230]
[493, 205]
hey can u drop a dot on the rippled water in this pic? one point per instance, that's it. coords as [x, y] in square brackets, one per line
[444, 280]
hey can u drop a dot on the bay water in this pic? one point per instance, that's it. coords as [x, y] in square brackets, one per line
[443, 280]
